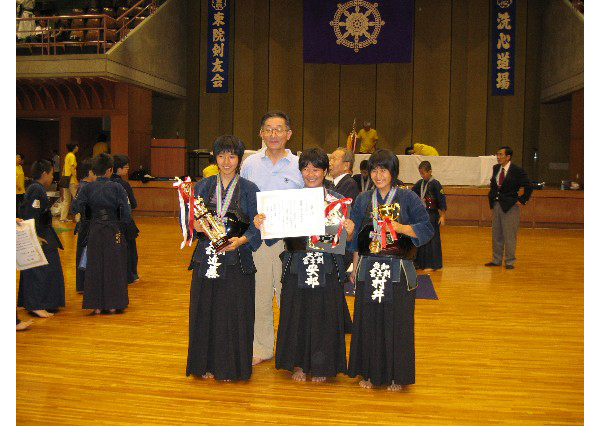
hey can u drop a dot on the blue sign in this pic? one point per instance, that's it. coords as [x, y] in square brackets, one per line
[217, 52]
[504, 13]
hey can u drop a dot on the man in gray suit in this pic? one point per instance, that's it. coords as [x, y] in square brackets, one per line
[507, 179]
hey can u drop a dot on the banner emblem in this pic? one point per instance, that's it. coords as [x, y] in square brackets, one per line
[219, 4]
[361, 25]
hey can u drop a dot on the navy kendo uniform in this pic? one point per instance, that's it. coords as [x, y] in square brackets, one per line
[42, 288]
[105, 284]
[130, 230]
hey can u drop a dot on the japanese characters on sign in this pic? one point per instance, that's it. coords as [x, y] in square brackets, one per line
[503, 47]
[217, 64]
[380, 273]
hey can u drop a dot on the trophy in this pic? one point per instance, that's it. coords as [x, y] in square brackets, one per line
[213, 228]
[403, 247]
[387, 213]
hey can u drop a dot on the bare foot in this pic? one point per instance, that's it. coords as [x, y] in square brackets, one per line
[256, 360]
[208, 376]
[42, 313]
[319, 379]
[97, 311]
[112, 311]
[394, 387]
[428, 270]
[299, 375]
[23, 325]
[365, 384]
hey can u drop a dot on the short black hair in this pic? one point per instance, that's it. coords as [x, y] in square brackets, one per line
[364, 165]
[409, 150]
[315, 156]
[212, 159]
[231, 144]
[507, 150]
[39, 167]
[101, 163]
[101, 137]
[385, 159]
[71, 146]
[120, 161]
[425, 165]
[21, 155]
[280, 114]
[85, 167]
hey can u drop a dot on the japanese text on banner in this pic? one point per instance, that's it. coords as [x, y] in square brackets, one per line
[217, 64]
[503, 47]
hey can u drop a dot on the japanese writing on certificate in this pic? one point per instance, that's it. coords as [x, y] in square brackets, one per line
[291, 212]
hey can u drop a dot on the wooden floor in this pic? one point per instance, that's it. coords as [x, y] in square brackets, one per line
[497, 347]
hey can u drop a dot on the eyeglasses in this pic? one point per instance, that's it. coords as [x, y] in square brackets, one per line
[276, 132]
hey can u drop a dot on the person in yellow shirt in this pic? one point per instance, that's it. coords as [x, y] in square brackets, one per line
[211, 169]
[421, 149]
[70, 169]
[368, 138]
[101, 146]
[20, 182]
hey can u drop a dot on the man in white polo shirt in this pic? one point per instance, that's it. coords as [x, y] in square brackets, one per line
[272, 168]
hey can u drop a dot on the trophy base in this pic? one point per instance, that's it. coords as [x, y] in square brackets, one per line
[220, 243]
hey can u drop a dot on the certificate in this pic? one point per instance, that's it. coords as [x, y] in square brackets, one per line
[29, 251]
[292, 212]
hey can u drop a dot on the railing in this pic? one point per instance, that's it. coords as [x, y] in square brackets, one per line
[102, 34]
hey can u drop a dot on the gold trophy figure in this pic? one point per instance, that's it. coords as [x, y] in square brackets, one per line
[212, 227]
[387, 212]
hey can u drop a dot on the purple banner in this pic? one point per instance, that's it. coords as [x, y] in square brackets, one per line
[358, 31]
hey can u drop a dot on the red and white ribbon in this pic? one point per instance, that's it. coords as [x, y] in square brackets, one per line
[343, 203]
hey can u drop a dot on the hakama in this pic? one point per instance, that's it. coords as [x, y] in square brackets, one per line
[105, 284]
[221, 324]
[310, 334]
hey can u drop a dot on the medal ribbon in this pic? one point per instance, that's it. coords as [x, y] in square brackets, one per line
[223, 205]
[380, 226]
[424, 189]
[343, 203]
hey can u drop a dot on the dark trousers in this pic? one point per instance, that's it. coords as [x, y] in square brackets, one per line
[20, 198]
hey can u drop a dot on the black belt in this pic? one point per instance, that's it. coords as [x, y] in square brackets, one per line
[105, 215]
[382, 254]
[295, 244]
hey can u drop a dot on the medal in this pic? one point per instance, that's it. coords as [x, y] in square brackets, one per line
[375, 246]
